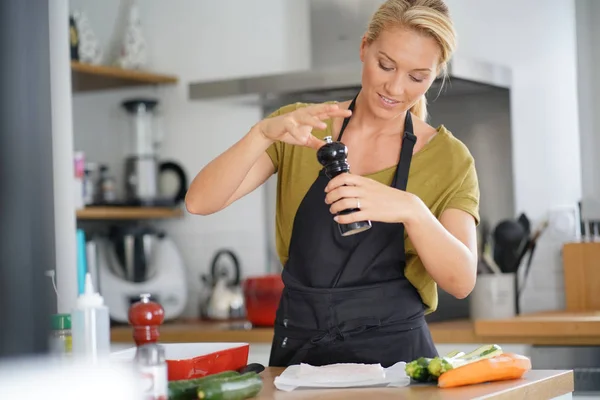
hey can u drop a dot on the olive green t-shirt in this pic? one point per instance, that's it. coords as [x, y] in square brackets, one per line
[442, 175]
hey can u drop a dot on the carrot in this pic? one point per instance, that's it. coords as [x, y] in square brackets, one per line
[502, 367]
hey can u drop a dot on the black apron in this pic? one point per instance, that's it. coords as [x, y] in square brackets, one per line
[346, 299]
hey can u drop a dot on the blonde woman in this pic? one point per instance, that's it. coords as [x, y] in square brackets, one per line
[362, 298]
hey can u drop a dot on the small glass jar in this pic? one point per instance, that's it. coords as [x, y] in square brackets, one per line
[60, 335]
[153, 370]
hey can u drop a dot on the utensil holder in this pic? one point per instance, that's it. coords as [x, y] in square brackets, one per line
[494, 297]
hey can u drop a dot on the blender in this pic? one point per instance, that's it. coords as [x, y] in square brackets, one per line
[142, 167]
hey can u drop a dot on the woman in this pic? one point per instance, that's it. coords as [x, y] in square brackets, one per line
[362, 298]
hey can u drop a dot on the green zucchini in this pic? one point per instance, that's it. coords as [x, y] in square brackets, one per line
[240, 387]
[418, 369]
[187, 389]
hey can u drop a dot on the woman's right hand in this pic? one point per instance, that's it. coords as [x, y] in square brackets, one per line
[296, 127]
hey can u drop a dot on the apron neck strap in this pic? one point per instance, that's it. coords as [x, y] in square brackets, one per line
[347, 119]
[408, 143]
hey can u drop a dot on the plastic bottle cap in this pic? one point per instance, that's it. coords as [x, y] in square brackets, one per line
[89, 298]
[61, 322]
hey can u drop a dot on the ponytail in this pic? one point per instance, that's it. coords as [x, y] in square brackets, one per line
[419, 109]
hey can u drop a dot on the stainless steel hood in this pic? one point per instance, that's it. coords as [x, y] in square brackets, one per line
[336, 27]
[466, 76]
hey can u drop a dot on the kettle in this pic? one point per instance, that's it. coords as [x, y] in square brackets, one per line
[226, 299]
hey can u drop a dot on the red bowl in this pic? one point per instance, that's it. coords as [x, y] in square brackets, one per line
[261, 296]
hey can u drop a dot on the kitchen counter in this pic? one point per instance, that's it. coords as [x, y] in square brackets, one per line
[557, 328]
[537, 384]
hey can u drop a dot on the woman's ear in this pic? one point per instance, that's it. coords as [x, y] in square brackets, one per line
[363, 48]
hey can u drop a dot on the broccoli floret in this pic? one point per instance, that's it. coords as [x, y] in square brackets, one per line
[417, 369]
[438, 366]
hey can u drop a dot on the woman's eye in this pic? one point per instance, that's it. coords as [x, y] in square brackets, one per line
[383, 67]
[415, 79]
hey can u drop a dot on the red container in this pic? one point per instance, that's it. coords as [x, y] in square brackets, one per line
[261, 296]
[195, 360]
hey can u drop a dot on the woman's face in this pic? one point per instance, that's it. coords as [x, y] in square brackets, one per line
[398, 68]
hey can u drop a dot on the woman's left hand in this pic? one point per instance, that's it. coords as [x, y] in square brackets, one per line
[376, 201]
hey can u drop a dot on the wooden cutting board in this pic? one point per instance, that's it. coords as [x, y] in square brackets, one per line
[581, 267]
[547, 324]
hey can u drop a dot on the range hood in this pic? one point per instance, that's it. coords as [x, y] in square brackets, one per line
[466, 77]
[336, 27]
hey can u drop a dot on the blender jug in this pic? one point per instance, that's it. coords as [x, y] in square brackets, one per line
[142, 168]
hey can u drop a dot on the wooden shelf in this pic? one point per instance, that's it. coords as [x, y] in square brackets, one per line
[120, 213]
[88, 77]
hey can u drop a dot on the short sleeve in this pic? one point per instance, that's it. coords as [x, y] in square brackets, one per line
[466, 198]
[275, 151]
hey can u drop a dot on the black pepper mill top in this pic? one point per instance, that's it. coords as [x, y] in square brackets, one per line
[333, 156]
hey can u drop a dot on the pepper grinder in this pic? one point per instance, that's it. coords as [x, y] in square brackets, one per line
[145, 316]
[333, 156]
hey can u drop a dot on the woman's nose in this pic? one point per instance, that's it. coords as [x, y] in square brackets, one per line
[395, 86]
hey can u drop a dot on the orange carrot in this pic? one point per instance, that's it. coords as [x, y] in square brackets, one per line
[502, 367]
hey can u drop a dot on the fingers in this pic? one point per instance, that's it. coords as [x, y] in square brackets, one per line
[348, 203]
[352, 217]
[314, 143]
[305, 118]
[343, 180]
[325, 111]
[342, 192]
[302, 134]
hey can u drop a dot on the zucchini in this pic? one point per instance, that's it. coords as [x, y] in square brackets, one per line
[439, 365]
[418, 369]
[187, 389]
[239, 387]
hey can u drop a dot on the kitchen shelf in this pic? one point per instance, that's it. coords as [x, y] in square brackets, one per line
[88, 77]
[128, 213]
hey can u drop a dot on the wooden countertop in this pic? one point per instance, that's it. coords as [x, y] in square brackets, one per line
[556, 328]
[537, 384]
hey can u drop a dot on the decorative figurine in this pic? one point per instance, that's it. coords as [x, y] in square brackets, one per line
[90, 51]
[133, 50]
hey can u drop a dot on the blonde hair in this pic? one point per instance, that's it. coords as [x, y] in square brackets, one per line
[430, 17]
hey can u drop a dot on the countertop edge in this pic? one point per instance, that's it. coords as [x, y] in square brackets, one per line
[458, 331]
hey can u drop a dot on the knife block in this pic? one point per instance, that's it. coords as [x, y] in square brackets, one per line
[581, 268]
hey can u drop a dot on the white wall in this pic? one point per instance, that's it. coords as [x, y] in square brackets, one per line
[198, 40]
[536, 39]
[541, 51]
[588, 55]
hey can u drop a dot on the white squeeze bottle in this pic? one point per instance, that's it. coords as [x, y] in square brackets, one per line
[90, 325]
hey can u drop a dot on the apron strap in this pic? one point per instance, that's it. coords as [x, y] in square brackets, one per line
[347, 119]
[408, 143]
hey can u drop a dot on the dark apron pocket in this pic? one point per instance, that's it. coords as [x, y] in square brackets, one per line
[283, 350]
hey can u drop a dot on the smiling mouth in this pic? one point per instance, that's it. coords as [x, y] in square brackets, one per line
[387, 100]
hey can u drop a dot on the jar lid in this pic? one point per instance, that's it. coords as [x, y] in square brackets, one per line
[61, 321]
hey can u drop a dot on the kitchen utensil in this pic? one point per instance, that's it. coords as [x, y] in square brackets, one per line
[493, 297]
[254, 367]
[162, 275]
[530, 249]
[134, 247]
[262, 295]
[195, 360]
[509, 236]
[225, 300]
[142, 168]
